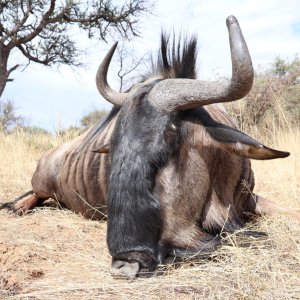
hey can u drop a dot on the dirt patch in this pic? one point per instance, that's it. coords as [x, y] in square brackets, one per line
[44, 245]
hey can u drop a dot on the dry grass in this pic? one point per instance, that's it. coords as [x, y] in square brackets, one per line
[52, 254]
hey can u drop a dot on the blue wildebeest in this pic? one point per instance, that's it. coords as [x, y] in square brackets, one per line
[168, 165]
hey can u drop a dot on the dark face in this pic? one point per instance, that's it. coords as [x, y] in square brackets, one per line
[143, 141]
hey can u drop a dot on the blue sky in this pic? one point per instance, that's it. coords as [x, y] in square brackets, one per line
[52, 98]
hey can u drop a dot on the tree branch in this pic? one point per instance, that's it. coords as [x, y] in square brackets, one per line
[21, 23]
[36, 31]
[33, 58]
[12, 69]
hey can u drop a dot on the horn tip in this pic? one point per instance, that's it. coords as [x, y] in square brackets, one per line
[231, 20]
[113, 47]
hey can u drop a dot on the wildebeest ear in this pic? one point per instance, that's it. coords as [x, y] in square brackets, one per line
[239, 143]
[102, 149]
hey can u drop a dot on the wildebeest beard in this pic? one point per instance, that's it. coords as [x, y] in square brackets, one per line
[143, 141]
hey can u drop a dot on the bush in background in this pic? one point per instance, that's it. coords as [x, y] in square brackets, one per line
[274, 98]
[9, 118]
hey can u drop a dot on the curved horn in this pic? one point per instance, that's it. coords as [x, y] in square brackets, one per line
[105, 90]
[181, 94]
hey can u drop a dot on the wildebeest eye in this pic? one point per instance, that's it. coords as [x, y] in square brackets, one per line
[171, 135]
[173, 126]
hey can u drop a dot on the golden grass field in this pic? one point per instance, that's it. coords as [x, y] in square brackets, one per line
[56, 254]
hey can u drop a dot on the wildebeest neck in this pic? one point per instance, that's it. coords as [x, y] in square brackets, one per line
[142, 143]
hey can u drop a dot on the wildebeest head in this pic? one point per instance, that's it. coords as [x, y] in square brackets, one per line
[175, 89]
[149, 131]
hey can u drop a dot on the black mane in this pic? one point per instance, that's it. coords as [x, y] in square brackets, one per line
[177, 59]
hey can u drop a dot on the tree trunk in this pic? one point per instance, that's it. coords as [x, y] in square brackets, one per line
[3, 80]
[3, 69]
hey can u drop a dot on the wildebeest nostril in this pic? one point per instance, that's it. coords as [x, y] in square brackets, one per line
[124, 269]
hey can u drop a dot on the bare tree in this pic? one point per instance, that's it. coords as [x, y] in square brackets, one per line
[8, 116]
[41, 29]
[131, 68]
